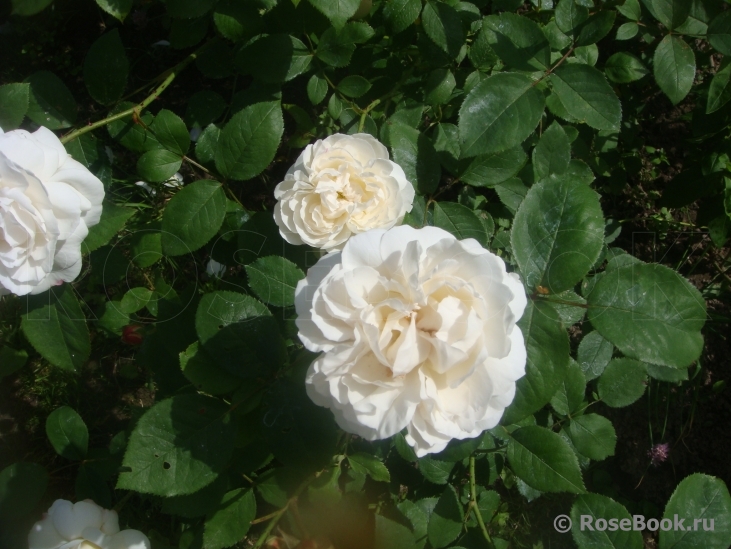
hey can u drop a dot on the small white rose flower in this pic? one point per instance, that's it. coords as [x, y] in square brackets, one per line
[83, 525]
[48, 201]
[418, 331]
[338, 187]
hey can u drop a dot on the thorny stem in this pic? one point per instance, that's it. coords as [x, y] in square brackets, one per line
[473, 504]
[277, 515]
[137, 109]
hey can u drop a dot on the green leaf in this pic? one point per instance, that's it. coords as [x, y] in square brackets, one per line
[518, 41]
[392, 535]
[188, 9]
[202, 371]
[158, 165]
[371, 465]
[439, 86]
[67, 433]
[237, 21]
[116, 8]
[488, 170]
[207, 144]
[650, 313]
[275, 58]
[544, 460]
[435, 470]
[399, 14]
[499, 113]
[627, 31]
[557, 234]
[146, 245]
[443, 25]
[671, 13]
[602, 507]
[594, 354]
[664, 373]
[22, 486]
[192, 217]
[240, 334]
[719, 32]
[56, 327]
[337, 11]
[299, 433]
[131, 135]
[178, 446]
[14, 102]
[459, 221]
[624, 67]
[250, 140]
[596, 27]
[112, 220]
[623, 382]
[445, 522]
[274, 279]
[203, 108]
[50, 101]
[29, 7]
[674, 67]
[631, 10]
[414, 152]
[571, 307]
[698, 496]
[354, 86]
[228, 524]
[571, 390]
[587, 96]
[197, 504]
[90, 484]
[113, 319]
[547, 345]
[317, 88]
[106, 68]
[553, 152]
[720, 91]
[135, 300]
[171, 133]
[593, 436]
[570, 15]
[11, 361]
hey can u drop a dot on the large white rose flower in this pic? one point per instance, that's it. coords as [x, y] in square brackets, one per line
[48, 201]
[417, 331]
[341, 186]
[83, 525]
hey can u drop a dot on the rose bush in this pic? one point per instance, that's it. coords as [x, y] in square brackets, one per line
[83, 525]
[418, 331]
[48, 201]
[341, 186]
[476, 172]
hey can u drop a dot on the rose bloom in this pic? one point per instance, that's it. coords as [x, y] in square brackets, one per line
[417, 331]
[83, 525]
[48, 201]
[341, 186]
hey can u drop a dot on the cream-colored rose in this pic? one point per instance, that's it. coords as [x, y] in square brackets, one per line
[83, 525]
[338, 187]
[417, 330]
[48, 201]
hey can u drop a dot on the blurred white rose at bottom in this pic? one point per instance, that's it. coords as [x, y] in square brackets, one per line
[83, 525]
[417, 331]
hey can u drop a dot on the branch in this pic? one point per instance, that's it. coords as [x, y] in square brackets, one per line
[169, 76]
[473, 504]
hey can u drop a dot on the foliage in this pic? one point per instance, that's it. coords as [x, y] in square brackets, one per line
[516, 123]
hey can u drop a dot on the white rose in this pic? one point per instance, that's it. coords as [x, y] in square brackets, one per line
[341, 186]
[83, 525]
[48, 201]
[417, 331]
